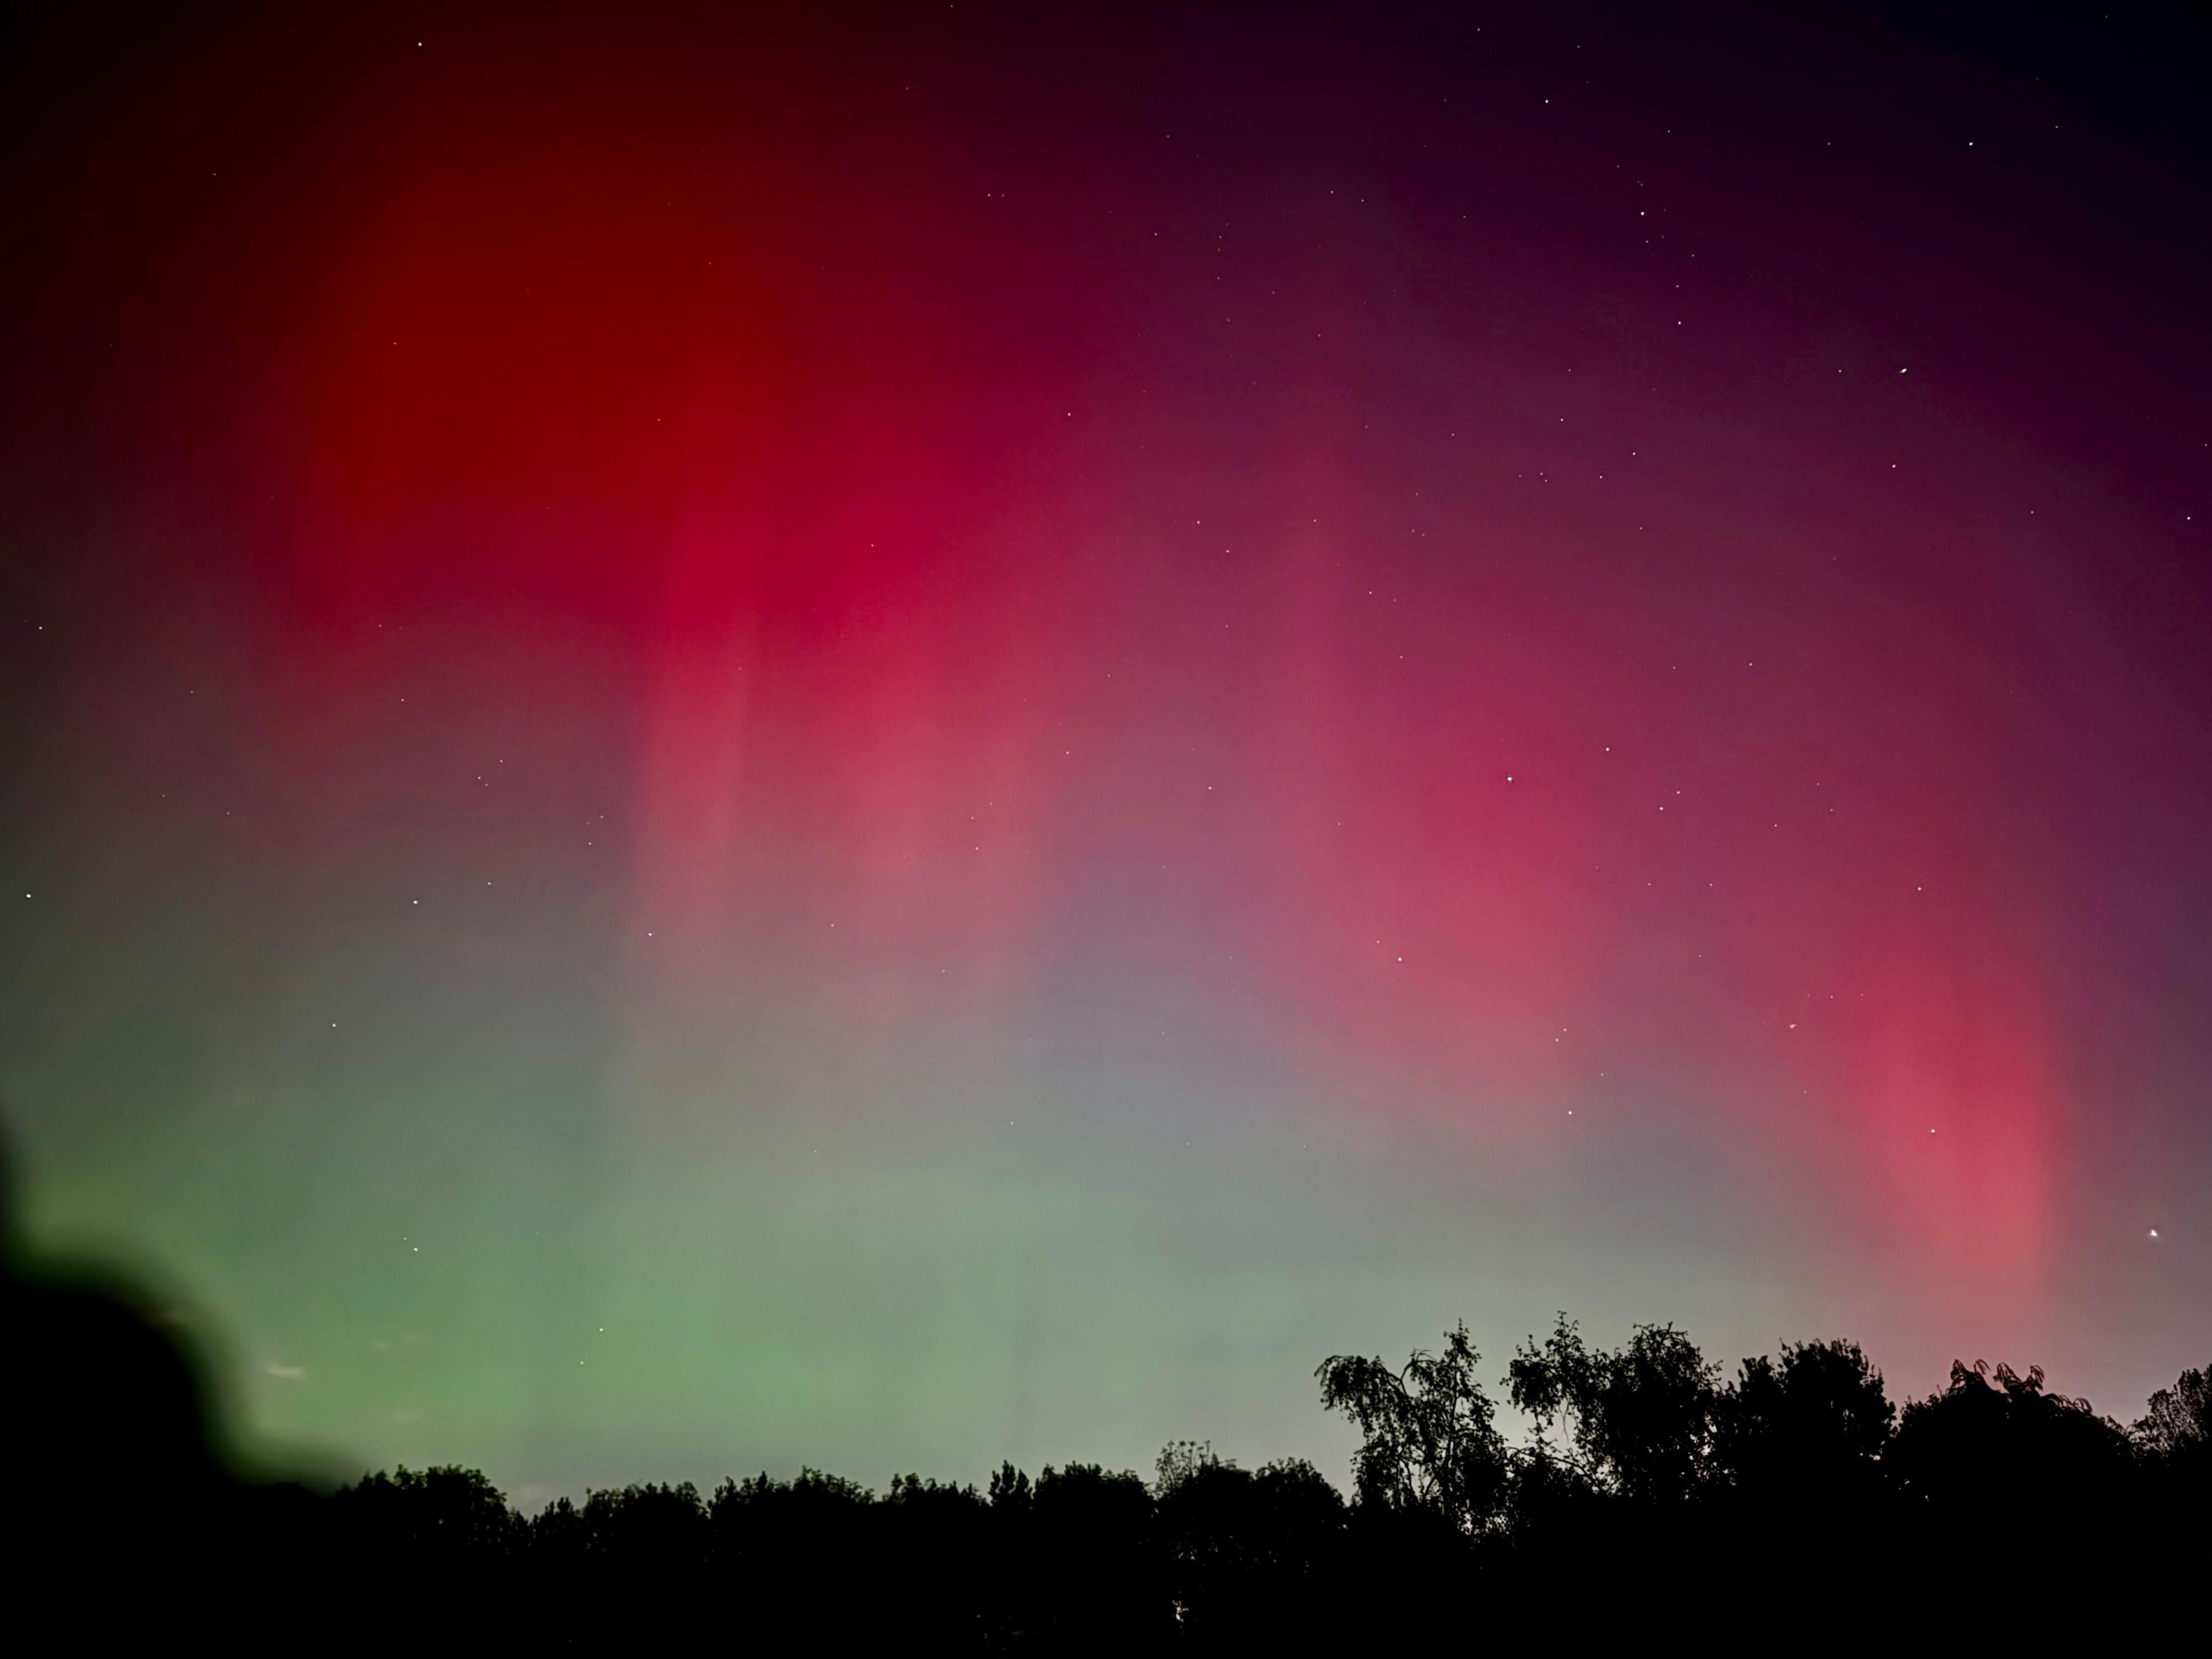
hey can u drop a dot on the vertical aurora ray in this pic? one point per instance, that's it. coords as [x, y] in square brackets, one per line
[902, 746]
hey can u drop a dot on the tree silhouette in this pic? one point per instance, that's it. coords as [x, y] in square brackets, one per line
[2174, 1441]
[1797, 1489]
[435, 1514]
[1429, 1435]
[2179, 1423]
[1638, 1422]
[1248, 1554]
[1998, 1439]
[1816, 1420]
[2034, 1496]
[1096, 1562]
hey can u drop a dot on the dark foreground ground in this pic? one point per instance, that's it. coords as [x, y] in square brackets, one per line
[1792, 1505]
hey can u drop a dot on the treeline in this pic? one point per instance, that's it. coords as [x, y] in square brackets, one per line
[1648, 1498]
[1648, 1487]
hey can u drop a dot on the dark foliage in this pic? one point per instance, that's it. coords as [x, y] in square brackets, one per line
[1816, 1420]
[1430, 1442]
[1793, 1496]
[1247, 1554]
[1637, 1423]
[1795, 1489]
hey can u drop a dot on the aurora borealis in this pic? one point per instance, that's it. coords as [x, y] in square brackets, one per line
[884, 740]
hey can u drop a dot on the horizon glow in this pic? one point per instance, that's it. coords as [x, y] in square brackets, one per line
[887, 748]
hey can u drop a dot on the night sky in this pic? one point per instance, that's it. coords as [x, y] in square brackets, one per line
[885, 741]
